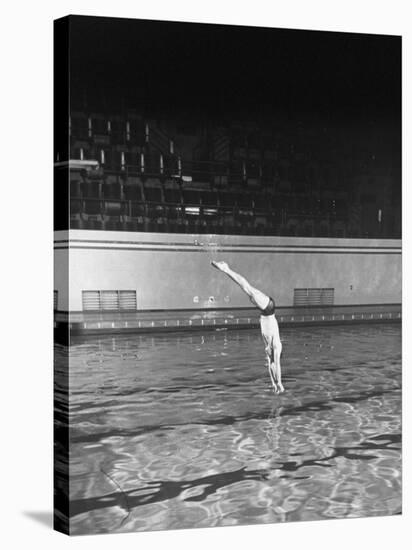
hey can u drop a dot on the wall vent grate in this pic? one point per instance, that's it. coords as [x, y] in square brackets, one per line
[109, 300]
[313, 296]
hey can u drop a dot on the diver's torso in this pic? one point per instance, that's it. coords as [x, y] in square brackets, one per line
[269, 327]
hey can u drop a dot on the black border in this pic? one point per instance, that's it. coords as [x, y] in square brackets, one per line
[61, 471]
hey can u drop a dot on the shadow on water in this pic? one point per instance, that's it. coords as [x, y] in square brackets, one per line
[158, 491]
[229, 420]
[165, 490]
[384, 441]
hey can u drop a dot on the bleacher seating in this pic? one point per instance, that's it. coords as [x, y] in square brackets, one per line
[91, 189]
[112, 190]
[264, 187]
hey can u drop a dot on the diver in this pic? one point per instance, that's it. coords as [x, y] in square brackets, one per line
[268, 323]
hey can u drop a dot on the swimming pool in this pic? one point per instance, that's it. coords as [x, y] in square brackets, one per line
[183, 430]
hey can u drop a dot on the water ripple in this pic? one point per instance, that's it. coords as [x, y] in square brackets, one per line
[183, 430]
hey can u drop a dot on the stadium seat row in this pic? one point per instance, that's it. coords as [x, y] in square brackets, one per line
[127, 223]
[124, 214]
[195, 197]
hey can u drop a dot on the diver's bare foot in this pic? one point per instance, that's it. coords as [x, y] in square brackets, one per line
[222, 266]
[278, 388]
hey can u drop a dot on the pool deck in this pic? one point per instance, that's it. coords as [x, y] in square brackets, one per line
[95, 323]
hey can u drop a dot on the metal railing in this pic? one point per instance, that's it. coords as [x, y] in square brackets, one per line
[89, 212]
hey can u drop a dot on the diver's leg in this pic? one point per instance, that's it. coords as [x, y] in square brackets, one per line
[272, 375]
[277, 386]
[278, 372]
[269, 359]
[256, 296]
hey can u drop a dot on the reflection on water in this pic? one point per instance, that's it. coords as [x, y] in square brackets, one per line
[184, 431]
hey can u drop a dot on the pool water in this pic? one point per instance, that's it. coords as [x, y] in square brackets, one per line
[183, 430]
